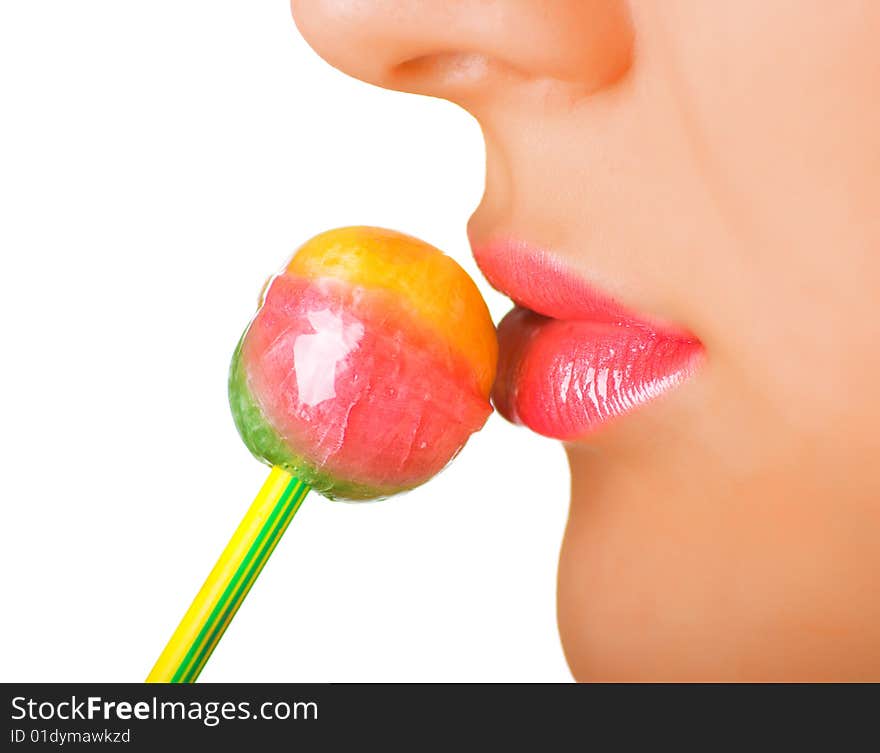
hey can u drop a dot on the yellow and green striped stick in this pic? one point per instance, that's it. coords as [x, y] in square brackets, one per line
[216, 603]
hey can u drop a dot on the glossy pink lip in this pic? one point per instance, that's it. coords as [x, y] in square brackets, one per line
[572, 358]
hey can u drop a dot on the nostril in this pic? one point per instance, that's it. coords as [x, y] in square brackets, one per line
[446, 66]
[445, 69]
[452, 75]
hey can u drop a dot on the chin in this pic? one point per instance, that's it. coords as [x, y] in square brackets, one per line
[659, 583]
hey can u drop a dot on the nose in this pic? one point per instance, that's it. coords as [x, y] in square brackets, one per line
[457, 48]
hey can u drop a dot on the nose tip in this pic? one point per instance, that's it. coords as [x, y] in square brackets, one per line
[352, 37]
[451, 48]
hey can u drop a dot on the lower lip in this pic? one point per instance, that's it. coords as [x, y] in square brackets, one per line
[566, 378]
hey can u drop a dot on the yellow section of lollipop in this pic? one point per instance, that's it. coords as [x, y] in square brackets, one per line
[438, 289]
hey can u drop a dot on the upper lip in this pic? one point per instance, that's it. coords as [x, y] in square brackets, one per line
[539, 280]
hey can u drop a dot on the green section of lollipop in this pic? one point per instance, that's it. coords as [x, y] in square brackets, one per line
[268, 447]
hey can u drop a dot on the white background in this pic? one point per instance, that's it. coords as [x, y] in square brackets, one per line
[157, 161]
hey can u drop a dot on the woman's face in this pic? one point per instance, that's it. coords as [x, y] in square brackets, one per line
[714, 167]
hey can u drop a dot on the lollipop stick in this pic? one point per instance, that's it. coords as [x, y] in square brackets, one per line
[232, 577]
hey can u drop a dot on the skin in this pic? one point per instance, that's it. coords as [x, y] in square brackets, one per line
[715, 165]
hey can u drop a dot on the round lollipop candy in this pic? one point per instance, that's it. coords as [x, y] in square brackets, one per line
[368, 365]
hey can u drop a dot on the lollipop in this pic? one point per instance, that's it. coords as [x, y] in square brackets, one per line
[366, 368]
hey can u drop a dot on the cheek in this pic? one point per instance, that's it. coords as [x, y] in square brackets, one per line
[779, 99]
[780, 126]
[653, 587]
